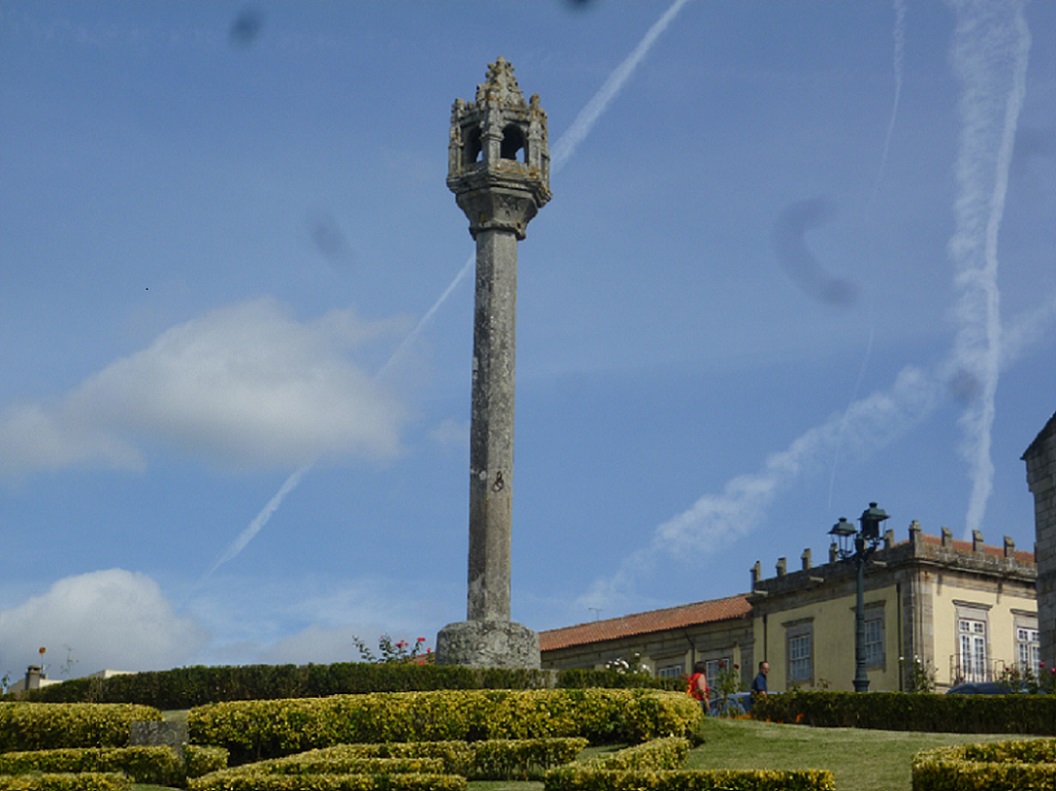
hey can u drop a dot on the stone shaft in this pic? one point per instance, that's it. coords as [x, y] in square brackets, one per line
[491, 432]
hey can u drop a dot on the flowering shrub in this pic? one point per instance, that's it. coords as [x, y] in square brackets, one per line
[918, 675]
[400, 651]
[728, 684]
[634, 665]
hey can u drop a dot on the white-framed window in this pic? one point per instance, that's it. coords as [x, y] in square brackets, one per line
[800, 666]
[714, 667]
[974, 666]
[1028, 651]
[874, 640]
[670, 671]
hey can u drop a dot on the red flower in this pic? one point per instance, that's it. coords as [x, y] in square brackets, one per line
[420, 640]
[736, 667]
[402, 644]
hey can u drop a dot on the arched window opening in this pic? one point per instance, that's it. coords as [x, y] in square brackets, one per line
[512, 143]
[471, 151]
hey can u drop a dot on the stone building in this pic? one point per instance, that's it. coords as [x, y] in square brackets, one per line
[667, 642]
[1040, 458]
[964, 609]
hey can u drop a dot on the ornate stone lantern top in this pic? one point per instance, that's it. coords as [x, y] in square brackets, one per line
[498, 143]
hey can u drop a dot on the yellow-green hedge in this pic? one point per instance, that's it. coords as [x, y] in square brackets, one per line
[583, 778]
[669, 753]
[88, 781]
[153, 765]
[455, 757]
[48, 726]
[253, 781]
[1000, 766]
[201, 760]
[252, 730]
[497, 759]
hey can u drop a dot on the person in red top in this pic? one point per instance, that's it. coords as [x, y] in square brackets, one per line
[697, 685]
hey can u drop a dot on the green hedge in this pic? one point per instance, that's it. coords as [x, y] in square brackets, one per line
[92, 781]
[1025, 714]
[37, 726]
[252, 730]
[153, 765]
[1000, 766]
[522, 759]
[583, 778]
[187, 687]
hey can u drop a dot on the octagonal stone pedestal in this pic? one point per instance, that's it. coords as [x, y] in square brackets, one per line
[488, 644]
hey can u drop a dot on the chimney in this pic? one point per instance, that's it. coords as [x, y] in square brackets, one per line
[914, 532]
[33, 677]
[782, 565]
[1010, 547]
[977, 541]
[805, 558]
[834, 553]
[757, 574]
[947, 538]
[889, 538]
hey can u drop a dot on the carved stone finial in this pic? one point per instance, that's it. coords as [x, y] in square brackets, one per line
[500, 86]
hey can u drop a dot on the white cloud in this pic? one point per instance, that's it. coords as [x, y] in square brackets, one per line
[451, 432]
[245, 386]
[106, 619]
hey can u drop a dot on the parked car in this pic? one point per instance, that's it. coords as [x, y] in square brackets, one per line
[982, 688]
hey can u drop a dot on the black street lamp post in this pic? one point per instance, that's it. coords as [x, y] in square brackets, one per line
[864, 543]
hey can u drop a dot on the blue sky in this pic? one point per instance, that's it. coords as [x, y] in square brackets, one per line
[800, 256]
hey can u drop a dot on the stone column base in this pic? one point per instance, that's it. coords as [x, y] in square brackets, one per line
[488, 644]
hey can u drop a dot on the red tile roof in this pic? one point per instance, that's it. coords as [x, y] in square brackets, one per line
[713, 611]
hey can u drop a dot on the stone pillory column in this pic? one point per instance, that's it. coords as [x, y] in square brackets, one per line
[499, 170]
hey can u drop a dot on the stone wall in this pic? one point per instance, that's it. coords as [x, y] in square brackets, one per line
[1040, 458]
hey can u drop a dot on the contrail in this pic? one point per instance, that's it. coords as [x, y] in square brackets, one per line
[565, 147]
[562, 151]
[868, 424]
[899, 57]
[984, 42]
[990, 50]
[261, 519]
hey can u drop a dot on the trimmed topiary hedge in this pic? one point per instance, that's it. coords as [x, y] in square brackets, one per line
[90, 781]
[903, 711]
[187, 687]
[37, 726]
[252, 730]
[669, 753]
[331, 782]
[153, 765]
[1000, 766]
[586, 778]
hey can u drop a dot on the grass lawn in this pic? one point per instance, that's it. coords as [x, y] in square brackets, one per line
[861, 760]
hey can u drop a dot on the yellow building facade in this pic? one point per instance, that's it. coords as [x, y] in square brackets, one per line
[951, 611]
